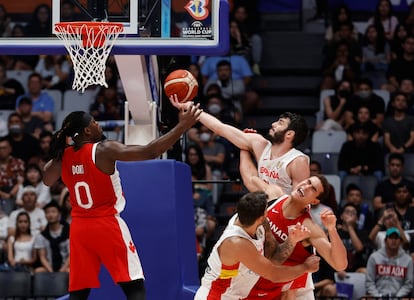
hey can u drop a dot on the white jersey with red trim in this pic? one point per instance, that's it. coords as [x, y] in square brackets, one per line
[221, 282]
[273, 170]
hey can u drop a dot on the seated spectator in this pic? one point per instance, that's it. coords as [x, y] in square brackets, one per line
[239, 42]
[388, 219]
[390, 269]
[44, 142]
[33, 177]
[37, 215]
[43, 104]
[401, 32]
[403, 207]
[240, 68]
[341, 15]
[55, 71]
[324, 281]
[376, 56]
[4, 220]
[361, 156]
[40, 24]
[107, 105]
[223, 110]
[334, 107]
[248, 25]
[364, 95]
[5, 22]
[10, 89]
[403, 66]
[232, 89]
[385, 190]
[11, 176]
[20, 245]
[32, 124]
[384, 17]
[194, 69]
[52, 244]
[354, 196]
[340, 65]
[24, 145]
[399, 127]
[200, 170]
[405, 87]
[66, 207]
[356, 242]
[364, 117]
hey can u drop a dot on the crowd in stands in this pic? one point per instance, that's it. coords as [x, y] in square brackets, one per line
[34, 219]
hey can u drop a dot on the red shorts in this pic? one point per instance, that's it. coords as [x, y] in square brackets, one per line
[103, 240]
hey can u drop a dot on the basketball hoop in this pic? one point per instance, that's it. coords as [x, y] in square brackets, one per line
[89, 45]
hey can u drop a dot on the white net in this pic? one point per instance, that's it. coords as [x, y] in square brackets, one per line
[89, 45]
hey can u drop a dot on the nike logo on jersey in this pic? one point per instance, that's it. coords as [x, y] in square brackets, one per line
[275, 211]
[131, 247]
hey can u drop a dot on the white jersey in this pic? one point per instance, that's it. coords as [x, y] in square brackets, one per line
[221, 282]
[273, 171]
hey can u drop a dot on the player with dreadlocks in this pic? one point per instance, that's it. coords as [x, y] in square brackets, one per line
[88, 169]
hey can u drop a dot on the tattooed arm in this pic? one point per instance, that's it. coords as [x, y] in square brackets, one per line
[278, 253]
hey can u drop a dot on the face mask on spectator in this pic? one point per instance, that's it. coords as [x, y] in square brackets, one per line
[15, 129]
[214, 109]
[364, 94]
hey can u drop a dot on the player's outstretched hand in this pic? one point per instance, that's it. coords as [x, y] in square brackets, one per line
[190, 116]
[328, 219]
[312, 263]
[298, 233]
[180, 105]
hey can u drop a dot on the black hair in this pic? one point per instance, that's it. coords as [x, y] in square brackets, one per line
[352, 187]
[398, 156]
[222, 63]
[52, 203]
[298, 125]
[251, 207]
[72, 126]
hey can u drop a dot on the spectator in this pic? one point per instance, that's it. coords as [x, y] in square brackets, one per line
[324, 281]
[354, 196]
[390, 269]
[403, 207]
[376, 55]
[341, 15]
[406, 87]
[40, 24]
[200, 170]
[232, 89]
[66, 207]
[33, 125]
[339, 65]
[194, 69]
[361, 156]
[4, 221]
[37, 215]
[67, 11]
[403, 66]
[11, 175]
[334, 107]
[400, 34]
[387, 220]
[363, 117]
[55, 71]
[107, 105]
[223, 110]
[52, 244]
[44, 142]
[384, 17]
[10, 89]
[20, 251]
[43, 104]
[24, 145]
[356, 242]
[5, 22]
[365, 96]
[385, 190]
[248, 25]
[33, 177]
[239, 42]
[399, 127]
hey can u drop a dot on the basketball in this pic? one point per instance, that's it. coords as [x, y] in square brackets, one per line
[182, 83]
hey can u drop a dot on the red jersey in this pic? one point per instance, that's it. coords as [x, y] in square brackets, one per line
[92, 192]
[279, 226]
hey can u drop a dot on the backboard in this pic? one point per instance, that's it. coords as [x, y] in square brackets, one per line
[162, 27]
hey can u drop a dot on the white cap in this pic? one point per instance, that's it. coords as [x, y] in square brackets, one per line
[28, 189]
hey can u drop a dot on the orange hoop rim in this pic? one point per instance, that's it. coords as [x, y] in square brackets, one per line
[90, 24]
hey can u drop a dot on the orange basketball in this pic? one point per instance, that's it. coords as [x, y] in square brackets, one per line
[183, 84]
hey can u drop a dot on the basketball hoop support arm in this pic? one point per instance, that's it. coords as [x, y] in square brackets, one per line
[134, 76]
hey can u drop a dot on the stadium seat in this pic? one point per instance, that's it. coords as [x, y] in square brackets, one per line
[357, 280]
[323, 95]
[328, 161]
[57, 98]
[47, 284]
[15, 284]
[328, 141]
[74, 100]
